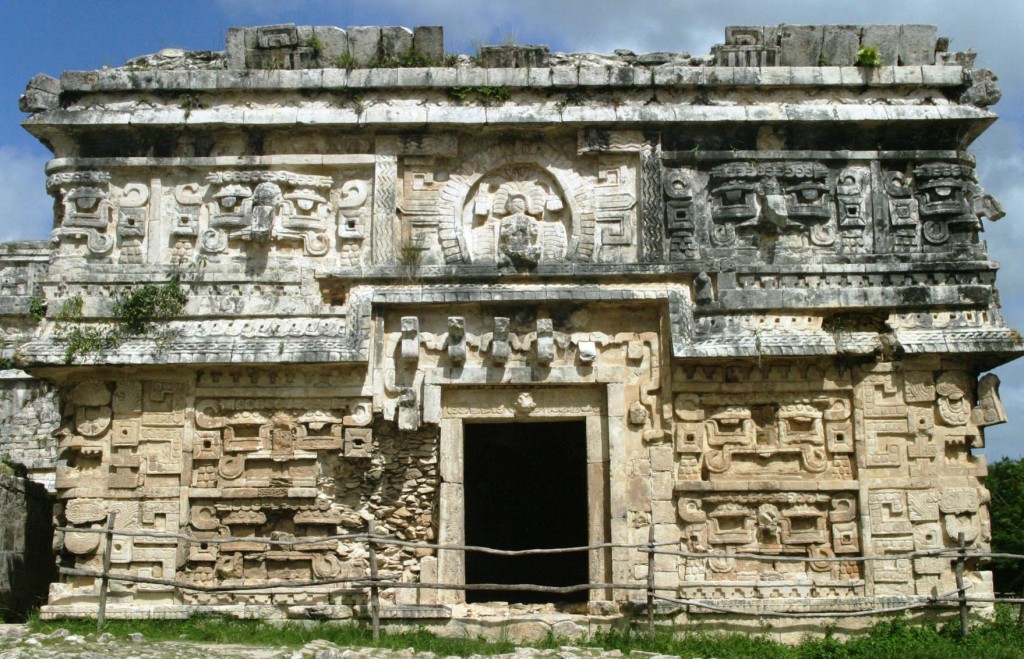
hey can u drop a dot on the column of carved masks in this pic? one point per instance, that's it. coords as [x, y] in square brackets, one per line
[765, 466]
[239, 454]
[261, 444]
[922, 484]
[122, 450]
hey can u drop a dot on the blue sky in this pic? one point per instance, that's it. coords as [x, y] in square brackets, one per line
[50, 36]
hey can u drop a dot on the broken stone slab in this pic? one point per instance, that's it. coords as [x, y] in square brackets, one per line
[42, 93]
[332, 44]
[800, 45]
[654, 59]
[983, 91]
[364, 44]
[839, 45]
[886, 38]
[395, 42]
[514, 56]
[44, 83]
[428, 41]
[917, 44]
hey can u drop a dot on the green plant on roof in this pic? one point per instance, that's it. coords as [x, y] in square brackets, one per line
[485, 96]
[315, 44]
[867, 56]
[144, 310]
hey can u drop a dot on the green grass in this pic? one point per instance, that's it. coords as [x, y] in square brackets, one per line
[895, 639]
[214, 629]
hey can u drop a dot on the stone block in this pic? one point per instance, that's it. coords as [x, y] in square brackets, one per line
[442, 77]
[682, 76]
[333, 44]
[428, 41]
[395, 42]
[334, 79]
[364, 44]
[471, 77]
[908, 75]
[942, 76]
[35, 100]
[917, 45]
[746, 75]
[719, 75]
[508, 77]
[800, 45]
[839, 45]
[886, 38]
[45, 83]
[565, 76]
[539, 77]
[428, 574]
[79, 81]
[236, 47]
[662, 458]
[514, 56]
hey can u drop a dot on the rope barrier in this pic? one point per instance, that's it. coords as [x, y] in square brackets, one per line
[375, 583]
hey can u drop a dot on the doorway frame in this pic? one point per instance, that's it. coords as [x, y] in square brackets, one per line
[589, 402]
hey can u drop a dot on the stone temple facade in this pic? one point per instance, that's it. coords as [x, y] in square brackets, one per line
[739, 299]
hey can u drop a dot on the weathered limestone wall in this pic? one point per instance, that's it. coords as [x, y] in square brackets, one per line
[26, 534]
[763, 290]
[29, 414]
[29, 409]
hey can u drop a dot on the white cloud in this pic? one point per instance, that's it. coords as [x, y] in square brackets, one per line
[26, 211]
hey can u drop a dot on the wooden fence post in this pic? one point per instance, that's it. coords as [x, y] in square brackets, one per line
[650, 580]
[1020, 611]
[961, 590]
[374, 590]
[101, 614]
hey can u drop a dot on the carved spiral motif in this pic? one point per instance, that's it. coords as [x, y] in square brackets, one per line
[935, 232]
[213, 241]
[723, 235]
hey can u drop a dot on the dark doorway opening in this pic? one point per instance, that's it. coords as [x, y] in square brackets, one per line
[526, 488]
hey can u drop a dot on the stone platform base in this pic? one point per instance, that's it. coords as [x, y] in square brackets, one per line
[528, 624]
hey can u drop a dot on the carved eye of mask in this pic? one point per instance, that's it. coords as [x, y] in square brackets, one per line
[942, 192]
[733, 196]
[228, 202]
[305, 204]
[810, 194]
[86, 203]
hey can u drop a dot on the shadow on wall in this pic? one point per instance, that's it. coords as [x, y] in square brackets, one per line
[26, 538]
